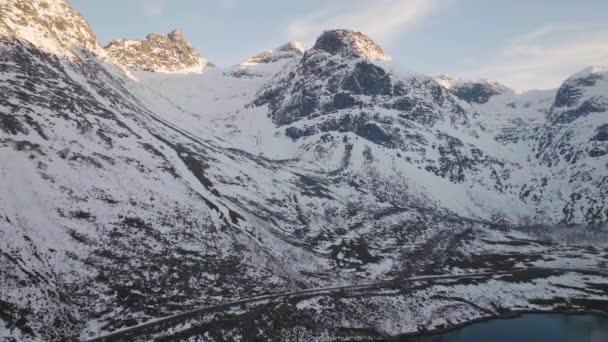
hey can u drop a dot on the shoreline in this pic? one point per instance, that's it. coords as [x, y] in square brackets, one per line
[157, 325]
[511, 315]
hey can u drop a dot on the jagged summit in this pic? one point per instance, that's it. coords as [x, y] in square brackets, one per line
[350, 44]
[52, 26]
[338, 75]
[158, 52]
[581, 95]
[176, 35]
[268, 63]
[447, 81]
[589, 71]
[292, 49]
[293, 46]
[582, 85]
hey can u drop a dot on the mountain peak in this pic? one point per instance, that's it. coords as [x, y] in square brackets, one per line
[158, 52]
[447, 81]
[177, 36]
[472, 91]
[294, 46]
[581, 94]
[350, 44]
[288, 51]
[590, 70]
[52, 26]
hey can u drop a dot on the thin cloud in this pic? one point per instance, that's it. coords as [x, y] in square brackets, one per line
[544, 58]
[152, 8]
[381, 19]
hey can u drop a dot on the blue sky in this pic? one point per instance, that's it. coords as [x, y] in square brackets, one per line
[526, 44]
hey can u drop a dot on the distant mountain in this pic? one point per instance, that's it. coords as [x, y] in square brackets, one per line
[160, 53]
[268, 63]
[573, 150]
[138, 183]
[286, 51]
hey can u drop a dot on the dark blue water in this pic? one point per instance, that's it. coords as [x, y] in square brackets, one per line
[528, 328]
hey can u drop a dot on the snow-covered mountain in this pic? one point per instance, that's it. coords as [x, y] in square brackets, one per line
[159, 53]
[52, 26]
[573, 151]
[499, 101]
[137, 183]
[478, 92]
[291, 50]
[350, 44]
[95, 185]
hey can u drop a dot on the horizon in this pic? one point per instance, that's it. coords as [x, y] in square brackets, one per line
[528, 47]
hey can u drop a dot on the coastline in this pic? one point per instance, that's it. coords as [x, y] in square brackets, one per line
[506, 316]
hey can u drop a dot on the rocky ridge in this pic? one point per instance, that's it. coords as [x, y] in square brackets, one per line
[474, 92]
[51, 25]
[286, 51]
[159, 53]
[266, 64]
[350, 44]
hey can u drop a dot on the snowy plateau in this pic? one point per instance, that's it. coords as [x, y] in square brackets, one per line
[307, 194]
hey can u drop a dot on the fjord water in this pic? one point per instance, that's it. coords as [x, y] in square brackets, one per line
[528, 328]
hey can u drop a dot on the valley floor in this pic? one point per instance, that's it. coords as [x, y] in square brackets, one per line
[383, 310]
[513, 275]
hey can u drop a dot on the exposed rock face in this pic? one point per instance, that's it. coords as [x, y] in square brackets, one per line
[337, 92]
[350, 44]
[573, 149]
[339, 74]
[473, 92]
[581, 95]
[478, 92]
[601, 133]
[160, 53]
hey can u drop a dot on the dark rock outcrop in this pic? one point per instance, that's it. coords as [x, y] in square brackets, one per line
[478, 92]
[350, 44]
[339, 74]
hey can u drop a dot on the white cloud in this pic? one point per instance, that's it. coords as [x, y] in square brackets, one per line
[152, 8]
[380, 19]
[544, 58]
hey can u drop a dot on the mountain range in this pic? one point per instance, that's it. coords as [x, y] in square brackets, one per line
[140, 181]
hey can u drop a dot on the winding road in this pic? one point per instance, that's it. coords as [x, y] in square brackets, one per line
[130, 332]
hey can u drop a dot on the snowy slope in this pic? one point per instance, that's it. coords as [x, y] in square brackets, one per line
[412, 132]
[338, 110]
[88, 176]
[90, 170]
